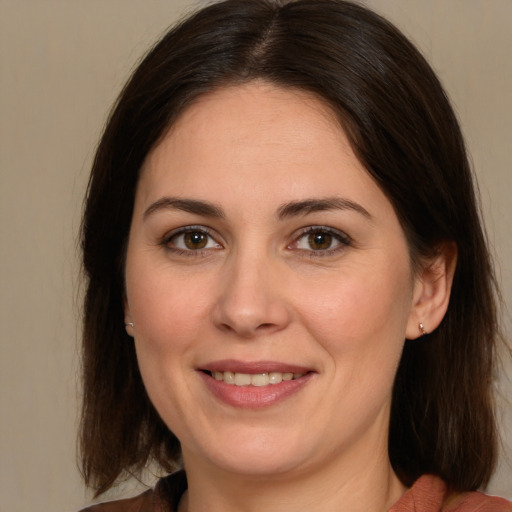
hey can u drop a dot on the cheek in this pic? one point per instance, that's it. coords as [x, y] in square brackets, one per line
[358, 310]
[168, 317]
[166, 310]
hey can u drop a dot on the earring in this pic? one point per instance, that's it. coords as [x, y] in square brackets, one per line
[422, 329]
[129, 324]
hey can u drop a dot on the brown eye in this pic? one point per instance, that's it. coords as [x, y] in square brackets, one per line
[320, 241]
[191, 239]
[194, 240]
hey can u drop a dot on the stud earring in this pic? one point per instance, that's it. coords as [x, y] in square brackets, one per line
[422, 329]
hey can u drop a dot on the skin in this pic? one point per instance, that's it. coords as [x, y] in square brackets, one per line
[260, 290]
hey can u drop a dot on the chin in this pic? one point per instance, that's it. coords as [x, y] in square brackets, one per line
[257, 466]
[256, 455]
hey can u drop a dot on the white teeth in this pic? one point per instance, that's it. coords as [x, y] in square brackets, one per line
[260, 379]
[242, 379]
[257, 379]
[229, 377]
[275, 377]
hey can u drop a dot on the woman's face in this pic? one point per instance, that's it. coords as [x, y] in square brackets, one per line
[261, 251]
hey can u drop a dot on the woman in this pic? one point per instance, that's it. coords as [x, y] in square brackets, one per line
[289, 291]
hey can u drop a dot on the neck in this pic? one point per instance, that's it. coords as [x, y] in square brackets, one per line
[352, 484]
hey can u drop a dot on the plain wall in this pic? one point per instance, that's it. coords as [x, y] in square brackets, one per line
[63, 63]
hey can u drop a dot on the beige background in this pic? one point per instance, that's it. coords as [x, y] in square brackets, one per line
[63, 63]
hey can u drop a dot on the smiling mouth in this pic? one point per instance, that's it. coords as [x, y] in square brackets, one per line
[253, 379]
[254, 384]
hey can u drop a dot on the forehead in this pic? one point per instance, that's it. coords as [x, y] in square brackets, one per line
[251, 126]
[255, 147]
[266, 101]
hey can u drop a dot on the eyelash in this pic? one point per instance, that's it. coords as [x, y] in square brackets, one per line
[338, 236]
[173, 235]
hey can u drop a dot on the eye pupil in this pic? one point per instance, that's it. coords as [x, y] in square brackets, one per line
[320, 241]
[195, 240]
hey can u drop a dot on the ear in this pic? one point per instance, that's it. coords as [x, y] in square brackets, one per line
[128, 322]
[432, 289]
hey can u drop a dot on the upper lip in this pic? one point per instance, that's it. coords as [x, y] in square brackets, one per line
[253, 367]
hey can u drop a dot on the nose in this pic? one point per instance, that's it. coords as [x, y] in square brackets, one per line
[251, 299]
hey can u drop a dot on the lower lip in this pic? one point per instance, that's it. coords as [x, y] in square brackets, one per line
[254, 397]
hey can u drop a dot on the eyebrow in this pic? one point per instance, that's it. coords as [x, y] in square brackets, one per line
[307, 206]
[203, 208]
[287, 210]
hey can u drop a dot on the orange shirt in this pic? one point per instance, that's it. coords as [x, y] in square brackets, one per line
[429, 494]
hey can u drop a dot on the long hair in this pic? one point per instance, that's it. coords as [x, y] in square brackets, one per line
[403, 130]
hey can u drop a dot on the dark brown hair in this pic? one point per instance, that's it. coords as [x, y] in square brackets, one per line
[403, 130]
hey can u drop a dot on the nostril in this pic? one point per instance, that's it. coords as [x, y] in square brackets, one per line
[248, 316]
[226, 327]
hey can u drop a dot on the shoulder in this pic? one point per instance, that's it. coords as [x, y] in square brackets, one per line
[142, 503]
[429, 494]
[163, 498]
[478, 502]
